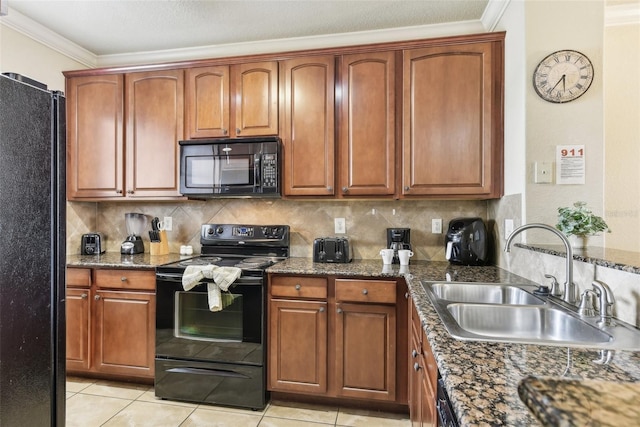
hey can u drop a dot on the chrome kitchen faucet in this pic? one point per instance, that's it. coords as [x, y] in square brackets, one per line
[569, 291]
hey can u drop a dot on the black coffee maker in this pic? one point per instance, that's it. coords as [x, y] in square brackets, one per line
[397, 239]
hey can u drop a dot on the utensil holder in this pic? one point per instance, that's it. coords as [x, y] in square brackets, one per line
[161, 247]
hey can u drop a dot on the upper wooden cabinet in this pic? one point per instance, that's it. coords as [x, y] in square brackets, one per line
[154, 125]
[110, 156]
[452, 120]
[95, 144]
[308, 86]
[232, 101]
[367, 149]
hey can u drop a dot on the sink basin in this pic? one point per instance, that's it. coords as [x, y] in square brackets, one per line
[484, 293]
[527, 324]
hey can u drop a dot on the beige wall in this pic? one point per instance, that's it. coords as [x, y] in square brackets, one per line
[552, 26]
[622, 135]
[23, 55]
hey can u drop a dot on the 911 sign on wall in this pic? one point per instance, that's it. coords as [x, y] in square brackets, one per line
[570, 161]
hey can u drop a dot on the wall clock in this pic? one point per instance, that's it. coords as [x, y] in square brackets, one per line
[563, 76]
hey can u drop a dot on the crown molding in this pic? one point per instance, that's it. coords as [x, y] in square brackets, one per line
[493, 14]
[30, 28]
[292, 44]
[623, 14]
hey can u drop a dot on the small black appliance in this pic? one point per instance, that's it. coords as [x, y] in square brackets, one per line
[467, 242]
[92, 244]
[332, 249]
[398, 239]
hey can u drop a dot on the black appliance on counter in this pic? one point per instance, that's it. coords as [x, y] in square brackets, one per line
[92, 244]
[467, 242]
[233, 167]
[332, 249]
[32, 275]
[398, 239]
[217, 357]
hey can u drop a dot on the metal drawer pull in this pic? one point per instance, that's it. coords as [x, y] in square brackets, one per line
[416, 367]
[83, 296]
[123, 279]
[365, 291]
[298, 287]
[97, 297]
[339, 310]
[414, 353]
[321, 309]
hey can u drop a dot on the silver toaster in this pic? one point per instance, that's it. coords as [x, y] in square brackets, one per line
[92, 244]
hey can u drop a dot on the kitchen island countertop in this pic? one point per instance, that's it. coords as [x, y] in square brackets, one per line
[482, 378]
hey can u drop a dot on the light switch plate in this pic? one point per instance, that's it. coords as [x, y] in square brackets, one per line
[543, 172]
[340, 226]
[168, 223]
[436, 226]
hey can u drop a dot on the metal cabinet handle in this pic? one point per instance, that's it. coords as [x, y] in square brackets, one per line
[97, 297]
[238, 131]
[416, 366]
[406, 295]
[339, 310]
[406, 188]
[129, 191]
[365, 291]
[224, 131]
[321, 309]
[298, 287]
[414, 353]
[345, 190]
[118, 191]
[83, 296]
[123, 279]
[329, 188]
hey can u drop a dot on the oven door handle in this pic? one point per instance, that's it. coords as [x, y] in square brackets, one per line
[169, 277]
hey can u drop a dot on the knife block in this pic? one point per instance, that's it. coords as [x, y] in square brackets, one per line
[161, 247]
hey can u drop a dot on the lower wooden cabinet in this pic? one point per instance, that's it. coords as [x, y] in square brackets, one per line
[336, 337]
[111, 322]
[423, 375]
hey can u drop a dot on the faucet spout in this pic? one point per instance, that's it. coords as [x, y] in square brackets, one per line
[569, 287]
[606, 301]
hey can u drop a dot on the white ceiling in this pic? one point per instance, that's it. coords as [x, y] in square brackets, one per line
[135, 28]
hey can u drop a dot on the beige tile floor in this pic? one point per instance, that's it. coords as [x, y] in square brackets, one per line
[113, 404]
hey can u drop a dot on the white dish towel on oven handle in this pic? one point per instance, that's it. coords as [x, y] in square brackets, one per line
[222, 276]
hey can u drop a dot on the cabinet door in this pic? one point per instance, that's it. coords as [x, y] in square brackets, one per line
[154, 126]
[95, 137]
[298, 346]
[207, 100]
[125, 333]
[308, 132]
[367, 124]
[366, 351]
[78, 326]
[256, 98]
[452, 121]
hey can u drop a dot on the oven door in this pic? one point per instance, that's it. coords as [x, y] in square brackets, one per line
[186, 329]
[228, 168]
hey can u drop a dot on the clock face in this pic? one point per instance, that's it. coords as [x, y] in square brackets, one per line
[563, 76]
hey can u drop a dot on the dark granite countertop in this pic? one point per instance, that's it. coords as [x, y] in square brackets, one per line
[482, 378]
[117, 260]
[611, 258]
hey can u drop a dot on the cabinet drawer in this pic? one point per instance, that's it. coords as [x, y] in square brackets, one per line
[126, 279]
[79, 277]
[298, 287]
[378, 291]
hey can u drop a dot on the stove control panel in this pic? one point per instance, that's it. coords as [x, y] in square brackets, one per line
[212, 233]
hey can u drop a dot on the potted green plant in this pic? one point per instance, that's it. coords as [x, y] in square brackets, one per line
[579, 221]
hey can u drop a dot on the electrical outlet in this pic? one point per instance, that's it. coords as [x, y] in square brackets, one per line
[340, 226]
[508, 228]
[543, 172]
[168, 223]
[436, 226]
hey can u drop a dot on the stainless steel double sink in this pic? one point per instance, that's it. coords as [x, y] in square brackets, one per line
[512, 313]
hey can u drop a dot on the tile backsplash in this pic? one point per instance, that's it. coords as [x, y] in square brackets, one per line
[366, 221]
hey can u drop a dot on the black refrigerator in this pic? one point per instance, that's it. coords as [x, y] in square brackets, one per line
[32, 253]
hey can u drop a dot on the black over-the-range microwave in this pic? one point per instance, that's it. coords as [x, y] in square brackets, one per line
[238, 167]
